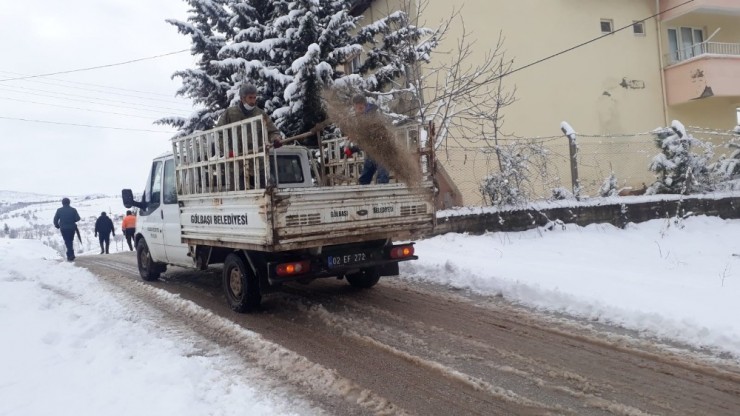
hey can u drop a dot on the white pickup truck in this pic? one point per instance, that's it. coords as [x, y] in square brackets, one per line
[217, 198]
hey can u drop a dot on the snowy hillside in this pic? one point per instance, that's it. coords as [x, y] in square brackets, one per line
[11, 197]
[30, 216]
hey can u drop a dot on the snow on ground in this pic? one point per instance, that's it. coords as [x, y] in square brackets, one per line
[35, 221]
[66, 335]
[70, 347]
[677, 280]
[11, 197]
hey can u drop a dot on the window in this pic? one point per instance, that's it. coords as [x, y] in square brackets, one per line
[353, 65]
[170, 193]
[607, 25]
[685, 43]
[289, 169]
[638, 28]
[156, 185]
[152, 192]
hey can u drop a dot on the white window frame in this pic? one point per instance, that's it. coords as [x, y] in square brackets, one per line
[353, 64]
[682, 50]
[641, 25]
[611, 25]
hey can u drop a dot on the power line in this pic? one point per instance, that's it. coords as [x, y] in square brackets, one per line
[592, 40]
[105, 101]
[75, 108]
[84, 125]
[96, 67]
[93, 85]
[169, 101]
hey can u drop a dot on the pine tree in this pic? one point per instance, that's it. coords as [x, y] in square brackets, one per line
[610, 186]
[314, 40]
[290, 50]
[679, 169]
[250, 58]
[402, 47]
[303, 108]
[209, 28]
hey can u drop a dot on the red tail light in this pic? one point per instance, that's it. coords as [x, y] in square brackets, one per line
[401, 252]
[293, 269]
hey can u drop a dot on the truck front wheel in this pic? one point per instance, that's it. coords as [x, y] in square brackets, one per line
[240, 285]
[364, 279]
[148, 269]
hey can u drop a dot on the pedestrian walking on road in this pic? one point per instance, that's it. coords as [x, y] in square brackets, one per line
[65, 220]
[103, 229]
[129, 228]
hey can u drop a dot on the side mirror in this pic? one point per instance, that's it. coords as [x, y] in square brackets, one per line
[128, 200]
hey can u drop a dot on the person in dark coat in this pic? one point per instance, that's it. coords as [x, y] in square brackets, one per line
[103, 229]
[65, 220]
[370, 166]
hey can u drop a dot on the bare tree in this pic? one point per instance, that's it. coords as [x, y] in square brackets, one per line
[522, 161]
[454, 90]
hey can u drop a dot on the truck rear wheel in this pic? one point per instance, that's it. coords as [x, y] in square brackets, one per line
[148, 269]
[364, 279]
[240, 285]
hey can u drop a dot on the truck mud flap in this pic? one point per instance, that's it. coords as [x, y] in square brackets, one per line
[389, 269]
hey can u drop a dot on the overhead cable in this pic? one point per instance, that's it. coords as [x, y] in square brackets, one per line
[85, 125]
[95, 67]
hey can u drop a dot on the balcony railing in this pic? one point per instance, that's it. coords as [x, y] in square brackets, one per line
[704, 48]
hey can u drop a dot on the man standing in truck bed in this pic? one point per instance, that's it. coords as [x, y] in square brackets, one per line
[247, 108]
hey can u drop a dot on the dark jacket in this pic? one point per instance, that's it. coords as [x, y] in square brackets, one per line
[239, 113]
[104, 225]
[370, 111]
[66, 218]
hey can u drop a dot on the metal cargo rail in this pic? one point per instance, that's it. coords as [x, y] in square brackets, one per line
[228, 198]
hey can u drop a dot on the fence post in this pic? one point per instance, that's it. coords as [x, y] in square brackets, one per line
[573, 150]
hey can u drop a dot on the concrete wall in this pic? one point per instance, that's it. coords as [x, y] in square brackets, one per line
[615, 213]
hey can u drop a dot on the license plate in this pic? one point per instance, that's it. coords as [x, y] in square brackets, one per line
[347, 259]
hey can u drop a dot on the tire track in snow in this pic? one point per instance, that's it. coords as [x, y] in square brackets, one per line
[556, 361]
[267, 355]
[361, 327]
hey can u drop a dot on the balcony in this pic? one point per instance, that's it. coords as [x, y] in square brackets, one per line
[699, 49]
[703, 70]
[719, 7]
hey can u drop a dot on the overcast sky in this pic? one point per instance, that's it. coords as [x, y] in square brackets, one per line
[46, 36]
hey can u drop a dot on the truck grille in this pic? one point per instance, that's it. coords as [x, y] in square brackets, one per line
[413, 210]
[303, 219]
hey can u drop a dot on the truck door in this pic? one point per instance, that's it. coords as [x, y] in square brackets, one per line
[176, 251]
[151, 217]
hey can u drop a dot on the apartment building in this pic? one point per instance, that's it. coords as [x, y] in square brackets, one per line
[683, 64]
[700, 59]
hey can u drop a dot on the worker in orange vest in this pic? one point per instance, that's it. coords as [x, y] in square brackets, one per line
[129, 228]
